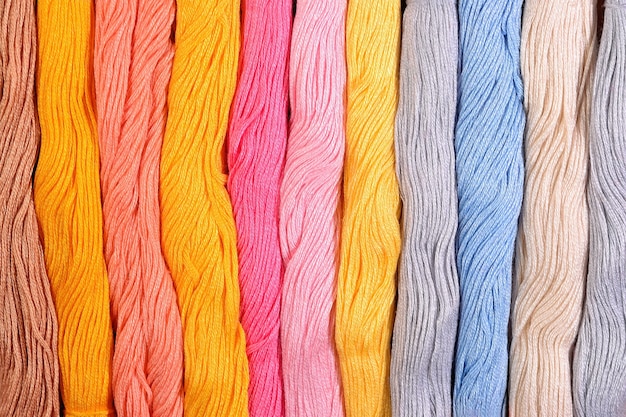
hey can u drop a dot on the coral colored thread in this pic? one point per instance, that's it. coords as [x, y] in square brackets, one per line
[132, 62]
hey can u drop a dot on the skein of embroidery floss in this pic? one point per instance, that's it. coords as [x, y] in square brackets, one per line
[132, 63]
[198, 229]
[490, 176]
[309, 203]
[370, 240]
[256, 151]
[599, 369]
[558, 45]
[29, 368]
[67, 202]
[424, 333]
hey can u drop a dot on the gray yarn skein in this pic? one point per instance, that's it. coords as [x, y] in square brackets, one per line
[424, 332]
[600, 358]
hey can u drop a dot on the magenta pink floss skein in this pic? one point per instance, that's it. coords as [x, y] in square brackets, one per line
[256, 152]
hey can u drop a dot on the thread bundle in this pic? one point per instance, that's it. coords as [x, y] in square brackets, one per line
[309, 218]
[67, 202]
[599, 369]
[256, 150]
[29, 369]
[489, 171]
[314, 215]
[557, 50]
[132, 63]
[198, 230]
[370, 231]
[428, 295]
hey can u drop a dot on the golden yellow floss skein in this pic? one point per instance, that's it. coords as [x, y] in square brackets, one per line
[370, 240]
[198, 234]
[67, 201]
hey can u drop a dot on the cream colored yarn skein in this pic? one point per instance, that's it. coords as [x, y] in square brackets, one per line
[558, 54]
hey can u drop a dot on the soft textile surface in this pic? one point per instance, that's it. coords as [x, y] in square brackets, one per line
[600, 360]
[67, 201]
[370, 239]
[132, 65]
[490, 174]
[29, 362]
[424, 333]
[198, 229]
[257, 138]
[558, 52]
[309, 202]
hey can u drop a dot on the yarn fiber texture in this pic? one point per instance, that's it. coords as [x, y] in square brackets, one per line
[599, 369]
[309, 204]
[370, 238]
[424, 333]
[257, 139]
[490, 175]
[67, 201]
[558, 53]
[29, 363]
[198, 229]
[132, 63]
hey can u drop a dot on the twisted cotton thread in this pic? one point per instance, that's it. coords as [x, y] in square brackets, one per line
[67, 201]
[256, 150]
[370, 241]
[490, 176]
[132, 63]
[309, 209]
[29, 368]
[428, 291]
[599, 370]
[557, 52]
[198, 236]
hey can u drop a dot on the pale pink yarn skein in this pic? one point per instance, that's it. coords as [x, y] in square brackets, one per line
[310, 196]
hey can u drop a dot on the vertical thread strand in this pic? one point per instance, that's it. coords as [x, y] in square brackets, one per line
[557, 54]
[198, 235]
[370, 239]
[600, 361]
[132, 62]
[490, 175]
[428, 290]
[256, 151]
[67, 201]
[29, 367]
[309, 194]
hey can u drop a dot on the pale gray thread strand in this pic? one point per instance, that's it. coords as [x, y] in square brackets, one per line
[428, 296]
[600, 358]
